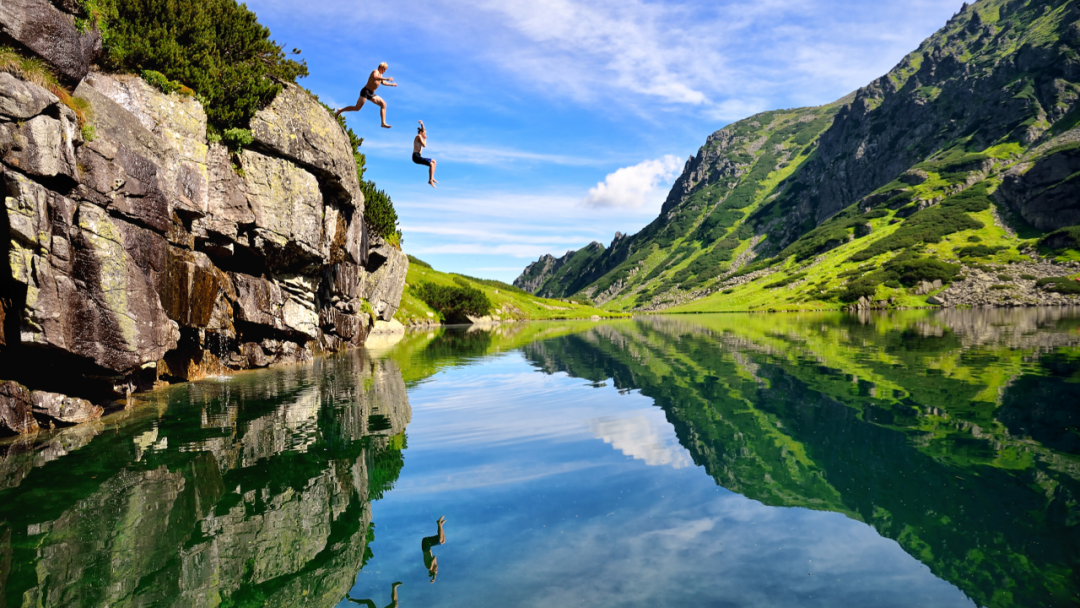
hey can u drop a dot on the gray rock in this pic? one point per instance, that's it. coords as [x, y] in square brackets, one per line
[65, 409]
[288, 209]
[21, 100]
[90, 280]
[300, 129]
[50, 34]
[16, 409]
[1043, 193]
[914, 177]
[263, 302]
[40, 146]
[385, 281]
[935, 301]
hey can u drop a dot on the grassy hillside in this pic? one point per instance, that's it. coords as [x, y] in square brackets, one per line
[508, 302]
[963, 161]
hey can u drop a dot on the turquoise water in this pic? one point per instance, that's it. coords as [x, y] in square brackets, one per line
[909, 459]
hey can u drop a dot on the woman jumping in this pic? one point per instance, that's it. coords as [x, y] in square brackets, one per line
[418, 145]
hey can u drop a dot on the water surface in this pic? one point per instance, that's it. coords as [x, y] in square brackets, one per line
[927, 459]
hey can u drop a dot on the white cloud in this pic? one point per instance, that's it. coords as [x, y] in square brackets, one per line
[635, 187]
[642, 438]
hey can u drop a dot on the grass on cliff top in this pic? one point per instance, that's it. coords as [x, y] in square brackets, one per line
[508, 301]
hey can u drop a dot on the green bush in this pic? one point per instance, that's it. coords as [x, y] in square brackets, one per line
[418, 262]
[1029, 277]
[786, 281]
[454, 302]
[379, 212]
[893, 284]
[1063, 285]
[216, 47]
[978, 251]
[237, 138]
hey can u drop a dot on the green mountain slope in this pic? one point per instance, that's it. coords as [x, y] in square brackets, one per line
[508, 303]
[956, 167]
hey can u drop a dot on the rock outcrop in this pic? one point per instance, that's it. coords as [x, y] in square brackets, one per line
[148, 253]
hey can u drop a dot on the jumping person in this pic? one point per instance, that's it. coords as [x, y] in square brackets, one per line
[368, 92]
[417, 146]
[371, 604]
[427, 543]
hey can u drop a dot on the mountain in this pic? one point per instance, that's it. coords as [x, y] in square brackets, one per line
[937, 183]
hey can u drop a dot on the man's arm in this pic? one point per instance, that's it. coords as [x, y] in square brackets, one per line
[386, 80]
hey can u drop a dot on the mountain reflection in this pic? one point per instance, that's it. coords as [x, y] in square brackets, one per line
[954, 434]
[250, 492]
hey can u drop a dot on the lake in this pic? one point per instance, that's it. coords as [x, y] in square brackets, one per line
[912, 458]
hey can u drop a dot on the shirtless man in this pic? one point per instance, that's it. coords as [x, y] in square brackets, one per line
[368, 92]
[418, 146]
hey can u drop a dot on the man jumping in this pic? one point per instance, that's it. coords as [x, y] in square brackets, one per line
[368, 92]
[418, 145]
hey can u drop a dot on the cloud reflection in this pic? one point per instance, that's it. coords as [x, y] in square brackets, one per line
[641, 438]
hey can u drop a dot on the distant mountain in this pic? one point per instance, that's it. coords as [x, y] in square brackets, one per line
[936, 183]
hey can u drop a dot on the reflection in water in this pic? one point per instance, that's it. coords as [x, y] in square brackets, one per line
[639, 438]
[430, 561]
[370, 604]
[253, 492]
[954, 434]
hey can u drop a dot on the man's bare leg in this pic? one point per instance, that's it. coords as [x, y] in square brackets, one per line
[382, 104]
[359, 104]
[442, 520]
[431, 180]
[393, 595]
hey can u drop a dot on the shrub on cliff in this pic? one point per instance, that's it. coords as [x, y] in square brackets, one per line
[379, 213]
[454, 302]
[216, 47]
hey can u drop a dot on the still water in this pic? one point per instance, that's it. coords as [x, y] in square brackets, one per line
[908, 459]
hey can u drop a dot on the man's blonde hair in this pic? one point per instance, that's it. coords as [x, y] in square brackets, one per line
[383, 65]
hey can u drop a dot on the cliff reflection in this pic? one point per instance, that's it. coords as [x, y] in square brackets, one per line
[954, 434]
[255, 491]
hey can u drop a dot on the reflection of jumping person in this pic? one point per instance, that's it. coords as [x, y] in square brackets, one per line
[368, 92]
[430, 541]
[418, 145]
[371, 604]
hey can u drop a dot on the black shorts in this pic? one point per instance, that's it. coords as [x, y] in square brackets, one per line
[367, 94]
[420, 160]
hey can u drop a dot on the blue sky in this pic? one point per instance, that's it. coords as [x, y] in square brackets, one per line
[560, 122]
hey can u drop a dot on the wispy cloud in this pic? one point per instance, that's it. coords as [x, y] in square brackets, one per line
[634, 187]
[483, 155]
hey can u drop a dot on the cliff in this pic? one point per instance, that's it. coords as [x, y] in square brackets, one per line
[139, 252]
[964, 153]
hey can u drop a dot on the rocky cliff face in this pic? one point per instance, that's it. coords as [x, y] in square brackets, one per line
[147, 253]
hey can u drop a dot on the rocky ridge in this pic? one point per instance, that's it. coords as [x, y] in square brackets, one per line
[138, 252]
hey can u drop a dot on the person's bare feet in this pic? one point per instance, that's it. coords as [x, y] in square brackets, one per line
[385, 126]
[442, 520]
[432, 182]
[397, 584]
